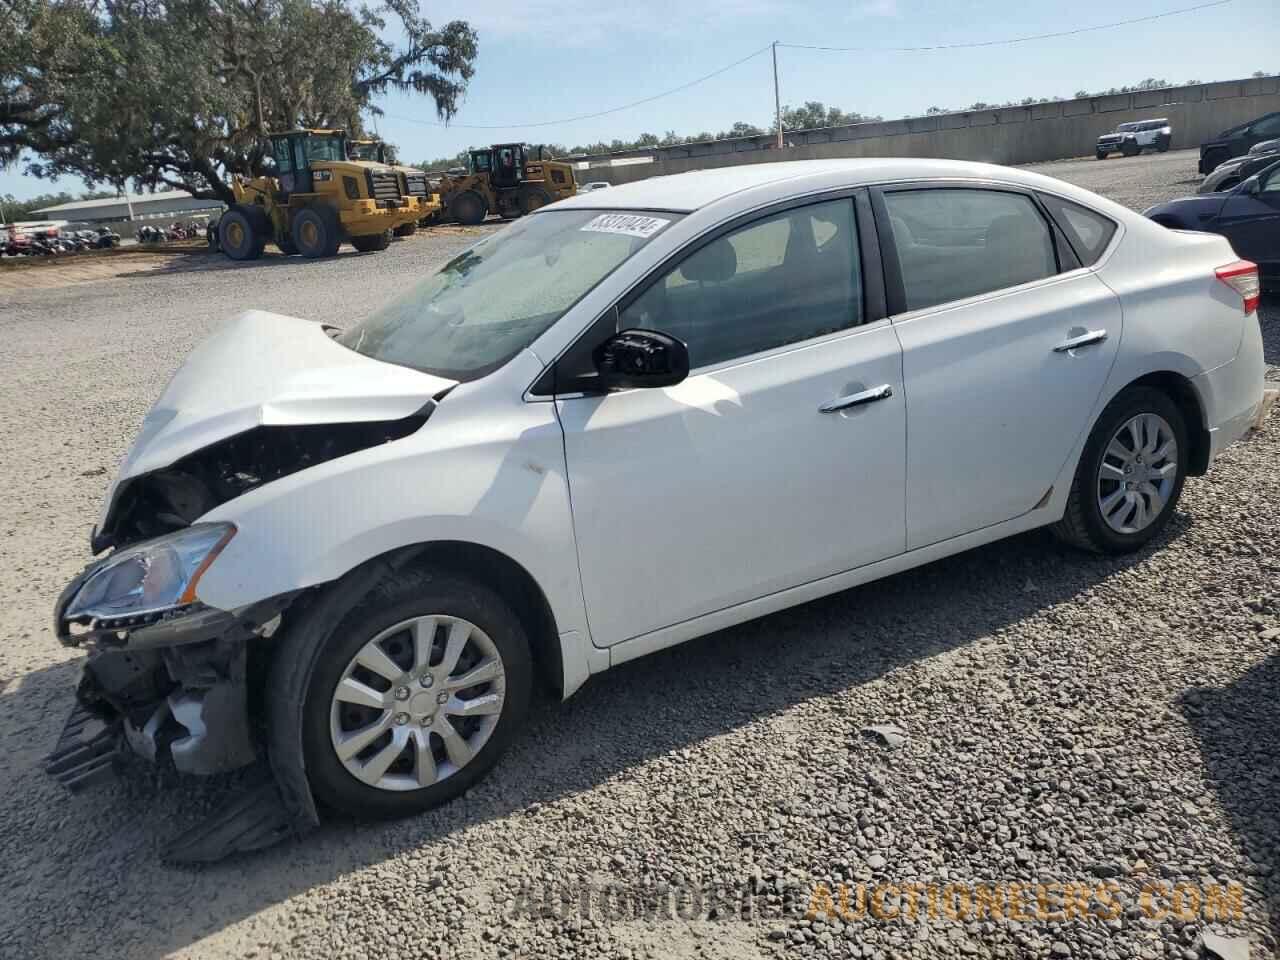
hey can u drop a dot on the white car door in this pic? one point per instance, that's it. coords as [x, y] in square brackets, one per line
[1006, 342]
[736, 484]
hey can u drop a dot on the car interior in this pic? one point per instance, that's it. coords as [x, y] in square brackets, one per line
[957, 244]
[782, 280]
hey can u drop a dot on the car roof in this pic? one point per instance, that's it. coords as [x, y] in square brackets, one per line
[687, 192]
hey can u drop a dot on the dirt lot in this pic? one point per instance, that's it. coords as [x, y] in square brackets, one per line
[1068, 720]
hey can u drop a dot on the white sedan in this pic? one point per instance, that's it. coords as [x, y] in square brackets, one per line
[632, 418]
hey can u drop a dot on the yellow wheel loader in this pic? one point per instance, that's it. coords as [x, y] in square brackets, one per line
[413, 182]
[312, 198]
[504, 180]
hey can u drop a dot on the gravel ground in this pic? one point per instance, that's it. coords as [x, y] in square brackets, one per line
[1068, 719]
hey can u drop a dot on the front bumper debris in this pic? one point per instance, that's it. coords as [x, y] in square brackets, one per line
[88, 752]
[174, 690]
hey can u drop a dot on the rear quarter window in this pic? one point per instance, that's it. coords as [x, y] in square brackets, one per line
[1087, 231]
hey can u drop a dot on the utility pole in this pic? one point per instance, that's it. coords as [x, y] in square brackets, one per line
[777, 97]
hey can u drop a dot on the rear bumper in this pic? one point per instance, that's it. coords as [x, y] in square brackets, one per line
[1232, 394]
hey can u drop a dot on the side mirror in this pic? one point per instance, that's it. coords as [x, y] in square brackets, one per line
[641, 358]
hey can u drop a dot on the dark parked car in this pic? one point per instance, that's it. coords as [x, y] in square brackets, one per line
[1237, 141]
[1237, 169]
[1248, 215]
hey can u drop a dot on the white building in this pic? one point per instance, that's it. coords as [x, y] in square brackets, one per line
[169, 204]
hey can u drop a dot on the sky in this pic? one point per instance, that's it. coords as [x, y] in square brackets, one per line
[546, 60]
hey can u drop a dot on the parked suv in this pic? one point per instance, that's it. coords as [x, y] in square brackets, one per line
[1132, 138]
[1238, 140]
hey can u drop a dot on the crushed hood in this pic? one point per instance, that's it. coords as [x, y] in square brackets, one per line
[264, 369]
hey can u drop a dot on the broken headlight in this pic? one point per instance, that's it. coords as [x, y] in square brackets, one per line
[151, 577]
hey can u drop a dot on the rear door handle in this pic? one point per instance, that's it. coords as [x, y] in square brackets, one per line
[1084, 340]
[882, 392]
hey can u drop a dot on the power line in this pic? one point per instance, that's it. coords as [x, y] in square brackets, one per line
[804, 46]
[592, 116]
[1012, 40]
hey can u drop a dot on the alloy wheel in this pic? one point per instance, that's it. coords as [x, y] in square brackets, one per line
[1137, 474]
[417, 703]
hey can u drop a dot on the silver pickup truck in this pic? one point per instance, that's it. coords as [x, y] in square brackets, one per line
[1132, 138]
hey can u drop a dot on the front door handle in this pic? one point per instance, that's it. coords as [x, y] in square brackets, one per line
[1084, 340]
[882, 392]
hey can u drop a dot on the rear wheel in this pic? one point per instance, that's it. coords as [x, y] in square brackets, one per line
[240, 235]
[468, 208]
[1210, 161]
[373, 242]
[1162, 144]
[420, 689]
[1131, 149]
[315, 232]
[1130, 474]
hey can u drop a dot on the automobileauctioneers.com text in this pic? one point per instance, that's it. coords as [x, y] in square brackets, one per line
[1051, 901]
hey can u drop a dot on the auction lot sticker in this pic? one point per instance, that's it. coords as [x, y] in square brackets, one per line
[628, 224]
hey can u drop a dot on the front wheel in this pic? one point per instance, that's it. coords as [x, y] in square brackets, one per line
[420, 689]
[1130, 474]
[468, 208]
[239, 233]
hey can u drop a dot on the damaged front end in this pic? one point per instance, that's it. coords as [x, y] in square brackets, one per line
[167, 677]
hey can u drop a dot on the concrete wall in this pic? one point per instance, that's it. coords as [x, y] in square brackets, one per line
[1009, 135]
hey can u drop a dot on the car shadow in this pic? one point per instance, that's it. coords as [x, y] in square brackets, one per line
[1238, 729]
[103, 848]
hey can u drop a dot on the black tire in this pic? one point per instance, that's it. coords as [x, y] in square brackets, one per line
[1162, 144]
[402, 596]
[1210, 161]
[240, 233]
[1083, 525]
[373, 242]
[315, 232]
[533, 197]
[468, 208]
[1131, 150]
[1100, 154]
[405, 230]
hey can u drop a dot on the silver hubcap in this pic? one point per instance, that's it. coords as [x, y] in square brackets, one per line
[1137, 473]
[417, 702]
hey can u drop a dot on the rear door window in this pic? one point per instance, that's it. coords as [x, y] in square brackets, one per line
[958, 243]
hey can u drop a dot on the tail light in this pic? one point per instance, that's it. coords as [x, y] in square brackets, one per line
[1242, 277]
